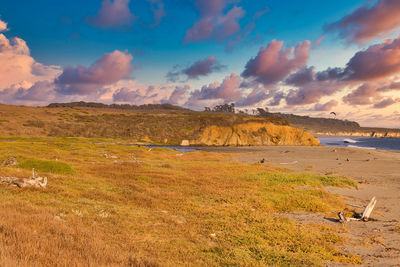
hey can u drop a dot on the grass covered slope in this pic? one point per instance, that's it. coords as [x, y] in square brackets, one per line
[158, 208]
[165, 126]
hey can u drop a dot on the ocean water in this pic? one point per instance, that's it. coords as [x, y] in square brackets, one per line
[362, 142]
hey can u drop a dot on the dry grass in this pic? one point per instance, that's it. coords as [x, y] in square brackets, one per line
[157, 126]
[197, 209]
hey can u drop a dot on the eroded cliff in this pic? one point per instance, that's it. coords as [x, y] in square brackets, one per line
[254, 134]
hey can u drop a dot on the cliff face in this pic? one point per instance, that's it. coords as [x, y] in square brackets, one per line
[255, 134]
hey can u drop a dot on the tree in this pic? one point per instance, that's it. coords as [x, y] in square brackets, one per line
[228, 108]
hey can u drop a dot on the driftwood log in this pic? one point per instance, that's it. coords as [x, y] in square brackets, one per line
[364, 216]
[25, 182]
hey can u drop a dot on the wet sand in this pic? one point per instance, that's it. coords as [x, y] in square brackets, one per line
[376, 171]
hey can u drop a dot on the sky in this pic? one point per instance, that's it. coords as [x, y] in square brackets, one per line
[303, 57]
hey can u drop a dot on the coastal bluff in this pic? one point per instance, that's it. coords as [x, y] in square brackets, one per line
[255, 134]
[152, 124]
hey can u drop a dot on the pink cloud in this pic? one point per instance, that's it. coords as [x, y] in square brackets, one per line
[386, 102]
[110, 68]
[17, 66]
[178, 95]
[376, 62]
[273, 63]
[227, 91]
[213, 23]
[368, 22]
[3, 26]
[113, 14]
[327, 106]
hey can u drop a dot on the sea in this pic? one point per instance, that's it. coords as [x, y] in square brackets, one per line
[362, 142]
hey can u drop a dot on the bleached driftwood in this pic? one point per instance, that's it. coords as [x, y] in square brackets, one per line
[25, 182]
[364, 216]
[368, 209]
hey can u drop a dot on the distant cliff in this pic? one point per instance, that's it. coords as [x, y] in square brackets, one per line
[335, 127]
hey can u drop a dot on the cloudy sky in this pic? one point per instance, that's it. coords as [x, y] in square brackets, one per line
[304, 57]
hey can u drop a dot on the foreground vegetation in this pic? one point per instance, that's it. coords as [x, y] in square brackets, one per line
[113, 204]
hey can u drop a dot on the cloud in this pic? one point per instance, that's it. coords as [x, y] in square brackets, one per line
[376, 62]
[327, 106]
[253, 98]
[227, 91]
[273, 63]
[312, 92]
[139, 94]
[213, 23]
[110, 68]
[372, 93]
[113, 14]
[157, 7]
[202, 67]
[3, 26]
[368, 22]
[246, 31]
[17, 66]
[304, 76]
[386, 102]
[178, 95]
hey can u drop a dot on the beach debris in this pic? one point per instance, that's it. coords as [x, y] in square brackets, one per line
[289, 163]
[105, 155]
[11, 161]
[150, 149]
[364, 216]
[368, 210]
[262, 161]
[179, 154]
[347, 160]
[25, 182]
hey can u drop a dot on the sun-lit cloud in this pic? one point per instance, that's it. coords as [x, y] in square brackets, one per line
[19, 71]
[273, 63]
[110, 68]
[213, 22]
[3, 26]
[368, 22]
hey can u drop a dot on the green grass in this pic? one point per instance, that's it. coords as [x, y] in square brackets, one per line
[46, 166]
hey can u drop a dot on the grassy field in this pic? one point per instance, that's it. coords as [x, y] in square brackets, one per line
[134, 207]
[155, 126]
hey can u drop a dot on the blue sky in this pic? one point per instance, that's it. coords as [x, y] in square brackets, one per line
[64, 34]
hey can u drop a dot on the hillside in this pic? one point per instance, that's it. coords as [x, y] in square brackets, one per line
[334, 127]
[158, 124]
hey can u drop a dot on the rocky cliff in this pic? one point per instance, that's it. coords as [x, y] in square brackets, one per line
[254, 134]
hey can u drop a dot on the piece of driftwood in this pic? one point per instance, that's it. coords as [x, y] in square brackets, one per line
[368, 209]
[25, 182]
[364, 216]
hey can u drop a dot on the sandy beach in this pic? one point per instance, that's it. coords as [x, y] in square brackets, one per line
[376, 171]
